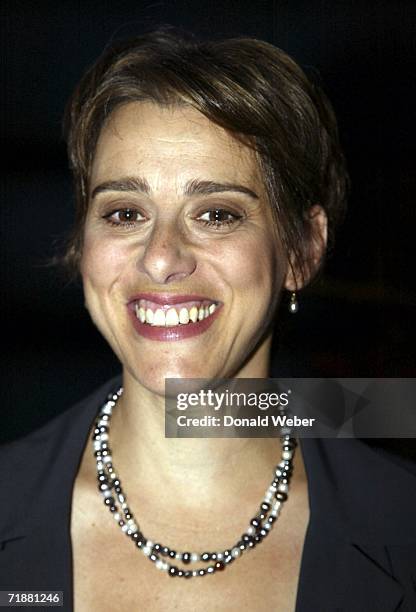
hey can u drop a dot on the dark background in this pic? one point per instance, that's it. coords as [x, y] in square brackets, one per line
[358, 320]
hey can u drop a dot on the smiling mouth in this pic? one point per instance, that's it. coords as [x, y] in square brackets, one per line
[169, 315]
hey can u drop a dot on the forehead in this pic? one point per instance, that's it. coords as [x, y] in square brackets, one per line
[177, 141]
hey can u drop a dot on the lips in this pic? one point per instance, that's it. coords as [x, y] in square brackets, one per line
[167, 317]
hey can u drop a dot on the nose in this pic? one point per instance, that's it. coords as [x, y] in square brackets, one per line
[166, 257]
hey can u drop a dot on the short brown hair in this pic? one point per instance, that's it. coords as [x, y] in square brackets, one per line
[249, 87]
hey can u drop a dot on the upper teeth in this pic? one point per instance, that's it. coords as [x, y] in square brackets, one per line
[173, 316]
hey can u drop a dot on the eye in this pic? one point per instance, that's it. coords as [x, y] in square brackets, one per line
[126, 217]
[218, 218]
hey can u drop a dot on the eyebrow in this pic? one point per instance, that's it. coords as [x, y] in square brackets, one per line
[192, 187]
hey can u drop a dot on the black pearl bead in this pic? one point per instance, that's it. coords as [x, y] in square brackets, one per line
[113, 508]
[201, 572]
[263, 532]
[258, 538]
[219, 566]
[228, 559]
[172, 553]
[206, 556]
[241, 545]
[180, 573]
[186, 557]
[213, 556]
[173, 570]
[187, 574]
[271, 519]
[117, 490]
[265, 506]
[210, 569]
[281, 496]
[135, 535]
[245, 537]
[255, 522]
[157, 547]
[153, 557]
[165, 551]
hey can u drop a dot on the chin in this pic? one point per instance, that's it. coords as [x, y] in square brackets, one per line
[153, 379]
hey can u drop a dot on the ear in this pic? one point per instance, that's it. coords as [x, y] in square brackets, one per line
[314, 250]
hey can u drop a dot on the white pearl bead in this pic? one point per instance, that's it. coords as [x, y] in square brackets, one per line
[220, 555]
[287, 454]
[268, 497]
[251, 530]
[100, 465]
[178, 555]
[104, 437]
[283, 488]
[97, 445]
[267, 526]
[107, 493]
[124, 528]
[107, 459]
[236, 552]
[194, 557]
[159, 564]
[116, 516]
[149, 543]
[146, 550]
[107, 409]
[194, 573]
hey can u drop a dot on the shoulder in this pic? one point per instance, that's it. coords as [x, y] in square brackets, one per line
[46, 439]
[37, 465]
[368, 492]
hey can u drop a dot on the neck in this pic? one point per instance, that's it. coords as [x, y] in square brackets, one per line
[194, 472]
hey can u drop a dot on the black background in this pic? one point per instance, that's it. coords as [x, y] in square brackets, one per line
[357, 320]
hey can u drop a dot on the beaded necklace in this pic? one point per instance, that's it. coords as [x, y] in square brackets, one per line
[115, 499]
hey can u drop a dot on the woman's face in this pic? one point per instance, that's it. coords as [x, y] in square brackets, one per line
[179, 227]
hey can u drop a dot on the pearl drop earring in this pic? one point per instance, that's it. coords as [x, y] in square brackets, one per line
[294, 304]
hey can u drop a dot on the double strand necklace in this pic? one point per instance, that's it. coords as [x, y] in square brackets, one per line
[115, 499]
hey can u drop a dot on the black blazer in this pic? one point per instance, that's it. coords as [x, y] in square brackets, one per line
[360, 548]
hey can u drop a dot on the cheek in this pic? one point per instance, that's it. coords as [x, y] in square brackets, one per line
[102, 263]
[253, 267]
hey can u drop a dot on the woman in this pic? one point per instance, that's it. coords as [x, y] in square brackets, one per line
[209, 179]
